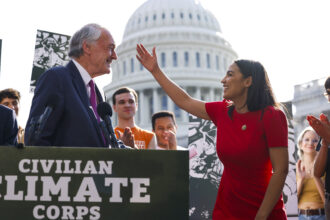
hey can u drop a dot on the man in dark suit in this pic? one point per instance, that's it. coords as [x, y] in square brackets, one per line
[74, 120]
[8, 126]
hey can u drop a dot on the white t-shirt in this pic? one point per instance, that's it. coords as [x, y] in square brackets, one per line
[177, 147]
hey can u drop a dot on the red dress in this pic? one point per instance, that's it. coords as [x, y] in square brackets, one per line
[242, 146]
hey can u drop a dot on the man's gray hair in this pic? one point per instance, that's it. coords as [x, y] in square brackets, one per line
[89, 33]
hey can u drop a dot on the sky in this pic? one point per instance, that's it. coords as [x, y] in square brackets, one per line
[291, 38]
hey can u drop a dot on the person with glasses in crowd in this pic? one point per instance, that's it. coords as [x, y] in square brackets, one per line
[322, 162]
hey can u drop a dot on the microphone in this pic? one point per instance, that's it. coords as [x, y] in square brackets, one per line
[105, 112]
[30, 132]
[41, 123]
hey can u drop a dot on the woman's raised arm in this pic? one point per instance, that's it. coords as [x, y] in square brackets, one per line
[178, 95]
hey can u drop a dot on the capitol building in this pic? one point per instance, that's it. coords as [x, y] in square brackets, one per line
[190, 48]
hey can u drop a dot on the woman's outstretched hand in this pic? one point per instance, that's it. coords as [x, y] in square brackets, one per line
[146, 59]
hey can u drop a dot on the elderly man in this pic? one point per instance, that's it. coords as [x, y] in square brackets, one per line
[73, 119]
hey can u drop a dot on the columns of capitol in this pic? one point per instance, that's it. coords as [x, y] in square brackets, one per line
[184, 114]
[212, 94]
[170, 104]
[142, 105]
[155, 98]
[198, 93]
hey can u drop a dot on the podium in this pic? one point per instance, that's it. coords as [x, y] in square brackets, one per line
[93, 183]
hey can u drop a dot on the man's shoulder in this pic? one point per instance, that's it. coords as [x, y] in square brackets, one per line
[119, 129]
[141, 130]
[58, 70]
[5, 109]
[142, 134]
[7, 113]
[59, 74]
[181, 148]
[7, 119]
[177, 148]
[55, 73]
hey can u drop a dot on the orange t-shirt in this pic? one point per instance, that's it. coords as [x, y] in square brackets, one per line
[142, 137]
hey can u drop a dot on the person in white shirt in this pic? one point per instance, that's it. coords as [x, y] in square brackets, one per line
[164, 126]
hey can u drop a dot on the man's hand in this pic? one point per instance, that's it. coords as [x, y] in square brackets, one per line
[127, 137]
[170, 136]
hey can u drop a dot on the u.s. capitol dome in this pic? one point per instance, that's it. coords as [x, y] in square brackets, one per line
[191, 50]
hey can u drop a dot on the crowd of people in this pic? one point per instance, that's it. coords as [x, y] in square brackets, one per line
[252, 131]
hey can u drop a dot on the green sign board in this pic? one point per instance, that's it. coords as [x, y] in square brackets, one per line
[93, 183]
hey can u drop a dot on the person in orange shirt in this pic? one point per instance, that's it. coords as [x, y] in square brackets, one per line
[125, 104]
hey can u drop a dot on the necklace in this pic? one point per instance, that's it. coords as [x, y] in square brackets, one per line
[243, 127]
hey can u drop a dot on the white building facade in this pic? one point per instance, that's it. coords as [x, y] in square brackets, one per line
[190, 49]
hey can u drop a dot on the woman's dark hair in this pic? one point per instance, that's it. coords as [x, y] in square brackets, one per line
[260, 93]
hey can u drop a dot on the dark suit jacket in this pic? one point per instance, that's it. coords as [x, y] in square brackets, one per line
[72, 122]
[8, 126]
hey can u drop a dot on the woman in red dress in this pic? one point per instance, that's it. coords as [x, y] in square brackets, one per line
[252, 138]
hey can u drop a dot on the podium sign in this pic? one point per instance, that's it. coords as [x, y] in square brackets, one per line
[93, 183]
